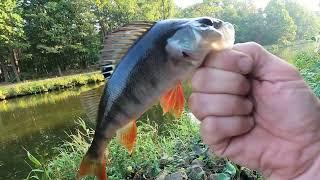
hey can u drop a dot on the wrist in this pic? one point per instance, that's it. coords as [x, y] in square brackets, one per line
[313, 172]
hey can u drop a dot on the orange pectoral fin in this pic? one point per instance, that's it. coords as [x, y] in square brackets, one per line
[92, 167]
[173, 100]
[128, 135]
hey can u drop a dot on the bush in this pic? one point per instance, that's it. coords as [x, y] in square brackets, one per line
[308, 63]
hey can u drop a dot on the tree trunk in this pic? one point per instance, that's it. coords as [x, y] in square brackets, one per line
[103, 30]
[4, 71]
[15, 66]
[59, 70]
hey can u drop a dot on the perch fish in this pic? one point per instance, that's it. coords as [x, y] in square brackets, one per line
[144, 63]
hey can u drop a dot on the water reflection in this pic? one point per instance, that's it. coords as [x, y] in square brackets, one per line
[37, 123]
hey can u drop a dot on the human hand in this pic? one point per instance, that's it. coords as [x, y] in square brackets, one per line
[256, 110]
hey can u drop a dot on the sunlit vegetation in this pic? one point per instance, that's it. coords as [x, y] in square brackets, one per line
[177, 151]
[308, 63]
[52, 84]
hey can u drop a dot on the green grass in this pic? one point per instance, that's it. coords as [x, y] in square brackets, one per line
[289, 52]
[157, 154]
[52, 84]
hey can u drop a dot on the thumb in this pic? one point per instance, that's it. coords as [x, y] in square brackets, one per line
[266, 66]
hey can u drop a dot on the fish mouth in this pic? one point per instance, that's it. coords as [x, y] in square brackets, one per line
[227, 37]
[216, 33]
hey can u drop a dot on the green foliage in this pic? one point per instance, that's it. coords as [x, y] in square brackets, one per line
[281, 22]
[157, 153]
[307, 24]
[11, 23]
[281, 28]
[61, 34]
[207, 8]
[11, 36]
[308, 63]
[41, 86]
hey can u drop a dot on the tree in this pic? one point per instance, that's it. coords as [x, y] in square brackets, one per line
[155, 10]
[206, 8]
[11, 35]
[307, 24]
[249, 24]
[114, 13]
[280, 26]
[62, 34]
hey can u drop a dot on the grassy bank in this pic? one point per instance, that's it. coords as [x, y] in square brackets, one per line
[52, 84]
[176, 152]
[49, 98]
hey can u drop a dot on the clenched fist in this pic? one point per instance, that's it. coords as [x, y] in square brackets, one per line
[256, 110]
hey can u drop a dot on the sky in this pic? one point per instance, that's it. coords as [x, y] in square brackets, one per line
[310, 4]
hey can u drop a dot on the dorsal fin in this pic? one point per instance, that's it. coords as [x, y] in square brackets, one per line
[118, 42]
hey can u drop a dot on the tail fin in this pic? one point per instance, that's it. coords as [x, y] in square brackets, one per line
[90, 166]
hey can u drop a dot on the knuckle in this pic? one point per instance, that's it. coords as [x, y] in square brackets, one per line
[236, 105]
[247, 107]
[256, 48]
[255, 45]
[212, 125]
[191, 101]
[194, 105]
[196, 80]
[244, 85]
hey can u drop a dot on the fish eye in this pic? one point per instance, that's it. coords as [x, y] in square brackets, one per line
[217, 24]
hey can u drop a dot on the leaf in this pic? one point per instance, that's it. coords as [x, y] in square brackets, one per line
[34, 160]
[223, 176]
[35, 177]
[37, 170]
[230, 169]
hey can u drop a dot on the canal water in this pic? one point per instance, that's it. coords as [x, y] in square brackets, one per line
[37, 123]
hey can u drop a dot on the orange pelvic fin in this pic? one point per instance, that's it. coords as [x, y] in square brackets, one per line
[173, 100]
[128, 135]
[92, 167]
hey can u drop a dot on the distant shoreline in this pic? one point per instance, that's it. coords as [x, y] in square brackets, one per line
[46, 85]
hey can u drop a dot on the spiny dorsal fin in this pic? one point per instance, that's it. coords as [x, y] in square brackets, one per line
[118, 42]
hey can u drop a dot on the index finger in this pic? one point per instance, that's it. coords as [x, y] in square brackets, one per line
[230, 60]
[267, 66]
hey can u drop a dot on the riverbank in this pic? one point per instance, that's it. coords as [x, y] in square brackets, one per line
[47, 85]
